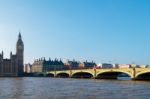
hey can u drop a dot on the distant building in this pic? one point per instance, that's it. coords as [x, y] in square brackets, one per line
[73, 64]
[37, 66]
[115, 65]
[99, 65]
[147, 66]
[124, 66]
[89, 64]
[28, 68]
[143, 66]
[67, 66]
[51, 65]
[138, 66]
[42, 65]
[81, 65]
[107, 65]
[13, 66]
[133, 65]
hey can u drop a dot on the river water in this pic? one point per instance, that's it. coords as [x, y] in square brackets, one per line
[67, 88]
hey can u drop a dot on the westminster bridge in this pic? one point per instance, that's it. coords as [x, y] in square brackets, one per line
[112, 73]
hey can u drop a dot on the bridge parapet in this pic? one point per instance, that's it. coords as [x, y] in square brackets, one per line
[132, 72]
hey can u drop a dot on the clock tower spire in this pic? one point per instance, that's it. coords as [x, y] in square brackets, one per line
[20, 55]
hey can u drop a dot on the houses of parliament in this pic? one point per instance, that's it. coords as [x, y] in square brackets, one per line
[13, 67]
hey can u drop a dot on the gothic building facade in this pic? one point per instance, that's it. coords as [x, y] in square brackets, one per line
[42, 65]
[13, 67]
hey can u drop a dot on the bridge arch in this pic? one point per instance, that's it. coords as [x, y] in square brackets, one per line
[40, 75]
[145, 75]
[82, 74]
[62, 75]
[50, 75]
[112, 74]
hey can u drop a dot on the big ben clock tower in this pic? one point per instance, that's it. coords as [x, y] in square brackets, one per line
[20, 55]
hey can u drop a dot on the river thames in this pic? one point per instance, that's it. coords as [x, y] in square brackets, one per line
[67, 88]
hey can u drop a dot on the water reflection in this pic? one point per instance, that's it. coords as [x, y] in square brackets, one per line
[60, 88]
[123, 78]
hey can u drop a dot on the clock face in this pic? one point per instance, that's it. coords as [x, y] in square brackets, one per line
[20, 47]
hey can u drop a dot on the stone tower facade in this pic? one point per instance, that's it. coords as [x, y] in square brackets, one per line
[13, 67]
[20, 55]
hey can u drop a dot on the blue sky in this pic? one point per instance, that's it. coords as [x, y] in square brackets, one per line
[115, 31]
